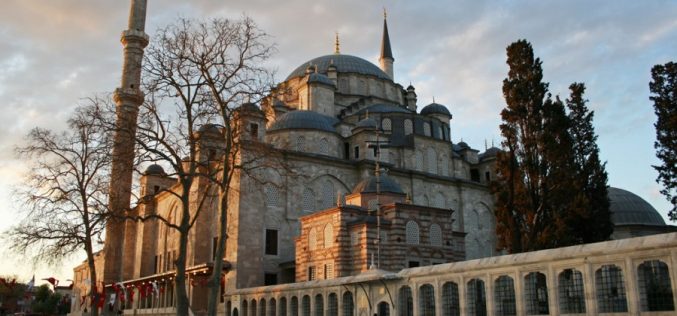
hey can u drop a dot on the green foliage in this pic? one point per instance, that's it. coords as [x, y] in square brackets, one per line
[540, 198]
[664, 96]
[45, 301]
[10, 295]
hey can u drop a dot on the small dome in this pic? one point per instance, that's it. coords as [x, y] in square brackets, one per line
[629, 209]
[210, 128]
[301, 119]
[462, 145]
[367, 123]
[320, 78]
[435, 108]
[343, 64]
[387, 184]
[154, 170]
[384, 108]
[250, 107]
[491, 152]
[410, 88]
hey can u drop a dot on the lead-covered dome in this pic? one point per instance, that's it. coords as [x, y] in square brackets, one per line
[629, 209]
[387, 184]
[343, 63]
[155, 170]
[435, 108]
[302, 119]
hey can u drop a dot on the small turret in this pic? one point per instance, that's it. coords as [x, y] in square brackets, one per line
[411, 98]
[386, 60]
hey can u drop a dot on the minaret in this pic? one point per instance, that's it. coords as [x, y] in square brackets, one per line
[386, 60]
[127, 98]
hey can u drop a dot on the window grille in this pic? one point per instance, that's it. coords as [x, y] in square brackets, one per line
[300, 143]
[372, 205]
[272, 307]
[536, 294]
[294, 306]
[328, 195]
[571, 294]
[348, 304]
[305, 306]
[450, 301]
[329, 271]
[439, 200]
[412, 232]
[319, 305]
[426, 129]
[426, 300]
[272, 195]
[432, 160]
[324, 146]
[283, 306]
[332, 305]
[386, 125]
[252, 308]
[504, 296]
[406, 302]
[262, 310]
[610, 289]
[308, 200]
[383, 309]
[408, 127]
[476, 300]
[655, 289]
[435, 235]
[244, 308]
[354, 238]
[312, 239]
[328, 236]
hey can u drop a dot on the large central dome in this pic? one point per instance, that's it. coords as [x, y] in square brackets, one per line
[343, 64]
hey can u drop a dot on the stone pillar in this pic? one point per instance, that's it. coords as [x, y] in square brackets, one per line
[127, 98]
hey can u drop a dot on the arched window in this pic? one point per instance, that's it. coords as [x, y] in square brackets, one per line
[418, 160]
[272, 307]
[328, 195]
[435, 235]
[610, 290]
[444, 166]
[332, 305]
[283, 306]
[300, 143]
[440, 132]
[571, 294]
[439, 200]
[372, 204]
[312, 239]
[386, 125]
[536, 294]
[426, 129]
[348, 305]
[504, 296]
[328, 236]
[252, 308]
[229, 307]
[655, 288]
[305, 306]
[408, 127]
[244, 308]
[450, 301]
[476, 300]
[412, 233]
[272, 195]
[294, 306]
[431, 160]
[324, 146]
[308, 200]
[262, 310]
[406, 302]
[383, 309]
[319, 305]
[426, 300]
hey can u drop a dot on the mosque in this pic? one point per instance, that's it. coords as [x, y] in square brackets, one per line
[377, 182]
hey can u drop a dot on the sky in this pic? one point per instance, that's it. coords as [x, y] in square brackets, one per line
[55, 53]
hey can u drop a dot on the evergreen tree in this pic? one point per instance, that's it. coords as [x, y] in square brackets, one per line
[593, 222]
[664, 90]
[538, 197]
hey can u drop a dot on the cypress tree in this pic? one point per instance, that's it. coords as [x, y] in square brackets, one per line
[664, 96]
[594, 218]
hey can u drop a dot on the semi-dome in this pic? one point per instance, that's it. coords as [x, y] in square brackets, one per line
[435, 108]
[387, 184]
[155, 170]
[629, 209]
[343, 63]
[210, 128]
[302, 119]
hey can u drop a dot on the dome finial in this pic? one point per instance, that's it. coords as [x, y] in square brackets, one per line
[433, 99]
[385, 14]
[337, 49]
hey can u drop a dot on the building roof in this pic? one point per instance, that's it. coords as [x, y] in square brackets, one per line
[154, 169]
[320, 78]
[387, 184]
[386, 51]
[343, 63]
[491, 152]
[435, 108]
[384, 108]
[629, 209]
[301, 119]
[367, 123]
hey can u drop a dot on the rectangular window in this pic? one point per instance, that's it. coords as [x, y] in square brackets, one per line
[357, 152]
[155, 265]
[414, 264]
[254, 130]
[311, 273]
[346, 150]
[271, 241]
[329, 271]
[474, 175]
[270, 279]
[215, 242]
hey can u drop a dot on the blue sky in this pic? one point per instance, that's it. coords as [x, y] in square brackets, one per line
[55, 53]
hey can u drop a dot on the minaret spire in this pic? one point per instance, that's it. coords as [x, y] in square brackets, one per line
[386, 59]
[337, 48]
[128, 97]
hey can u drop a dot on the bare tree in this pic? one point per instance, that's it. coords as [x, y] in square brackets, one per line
[210, 72]
[64, 195]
